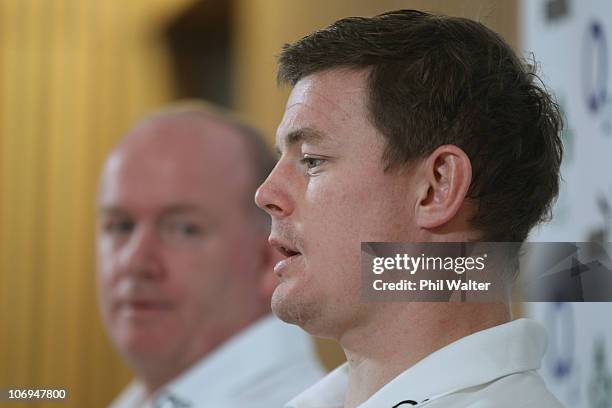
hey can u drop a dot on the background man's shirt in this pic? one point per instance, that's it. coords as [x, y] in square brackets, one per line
[262, 367]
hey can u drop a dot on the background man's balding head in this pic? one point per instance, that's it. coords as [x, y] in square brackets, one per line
[184, 262]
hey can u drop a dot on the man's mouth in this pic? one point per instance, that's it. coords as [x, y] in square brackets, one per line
[143, 306]
[290, 253]
[284, 263]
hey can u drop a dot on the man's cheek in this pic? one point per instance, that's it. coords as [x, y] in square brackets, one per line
[335, 212]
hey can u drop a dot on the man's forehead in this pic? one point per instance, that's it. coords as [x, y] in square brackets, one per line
[185, 140]
[184, 161]
[331, 90]
[193, 131]
[321, 103]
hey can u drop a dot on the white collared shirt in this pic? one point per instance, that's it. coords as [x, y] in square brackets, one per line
[493, 368]
[261, 367]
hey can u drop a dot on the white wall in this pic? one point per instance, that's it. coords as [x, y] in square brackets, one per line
[574, 51]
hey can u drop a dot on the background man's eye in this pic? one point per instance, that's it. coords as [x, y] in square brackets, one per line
[181, 230]
[188, 229]
[119, 226]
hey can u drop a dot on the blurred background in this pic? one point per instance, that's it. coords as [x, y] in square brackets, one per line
[76, 74]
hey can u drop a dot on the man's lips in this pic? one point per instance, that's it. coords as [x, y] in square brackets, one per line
[289, 251]
[139, 305]
[284, 247]
[285, 263]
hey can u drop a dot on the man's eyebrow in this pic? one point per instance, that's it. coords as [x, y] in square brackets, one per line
[170, 210]
[182, 208]
[111, 210]
[303, 135]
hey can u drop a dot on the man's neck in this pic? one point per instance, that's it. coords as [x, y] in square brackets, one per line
[378, 353]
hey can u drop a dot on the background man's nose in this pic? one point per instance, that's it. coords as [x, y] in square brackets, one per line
[141, 254]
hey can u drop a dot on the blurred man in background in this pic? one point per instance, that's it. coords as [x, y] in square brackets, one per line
[185, 269]
[409, 127]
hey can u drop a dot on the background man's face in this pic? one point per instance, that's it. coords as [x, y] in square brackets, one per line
[327, 193]
[177, 245]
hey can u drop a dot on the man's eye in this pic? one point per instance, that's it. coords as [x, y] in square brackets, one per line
[311, 162]
[188, 229]
[119, 226]
[182, 229]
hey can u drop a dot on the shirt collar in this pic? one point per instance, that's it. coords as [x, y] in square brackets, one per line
[231, 367]
[473, 360]
[265, 345]
[327, 393]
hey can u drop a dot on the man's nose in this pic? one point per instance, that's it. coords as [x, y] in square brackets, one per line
[141, 257]
[273, 195]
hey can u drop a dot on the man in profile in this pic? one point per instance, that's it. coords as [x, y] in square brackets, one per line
[409, 127]
[184, 273]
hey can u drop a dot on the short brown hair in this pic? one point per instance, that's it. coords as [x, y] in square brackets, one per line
[438, 80]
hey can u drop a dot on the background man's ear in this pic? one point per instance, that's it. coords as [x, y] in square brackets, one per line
[447, 176]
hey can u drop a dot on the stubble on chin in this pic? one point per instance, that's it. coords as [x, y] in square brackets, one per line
[291, 309]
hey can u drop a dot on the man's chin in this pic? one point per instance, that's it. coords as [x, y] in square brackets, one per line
[140, 343]
[286, 305]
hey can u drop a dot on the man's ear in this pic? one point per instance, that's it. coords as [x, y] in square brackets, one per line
[267, 281]
[446, 176]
